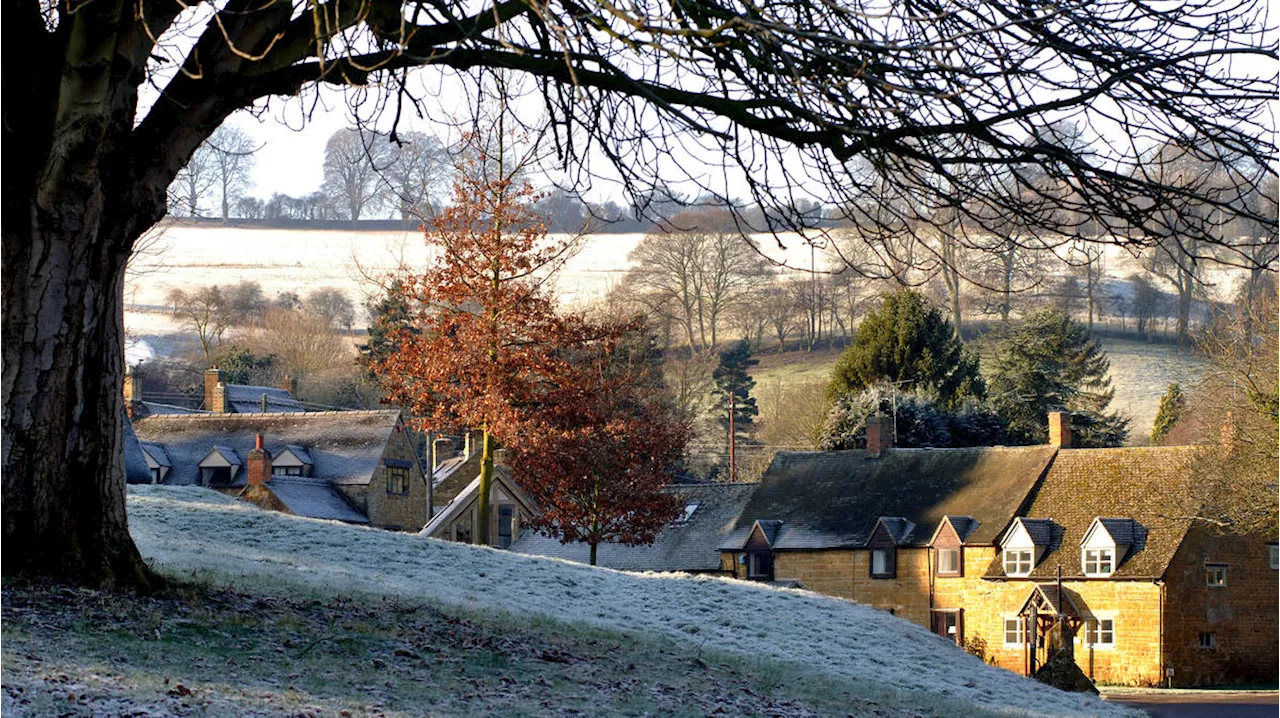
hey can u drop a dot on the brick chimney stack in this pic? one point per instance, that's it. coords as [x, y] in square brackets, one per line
[212, 379]
[132, 392]
[879, 435]
[1060, 429]
[258, 464]
[289, 384]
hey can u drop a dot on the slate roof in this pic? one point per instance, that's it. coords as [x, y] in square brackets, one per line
[899, 528]
[1122, 531]
[136, 470]
[344, 445]
[453, 475]
[1041, 531]
[691, 545]
[247, 399]
[833, 499]
[963, 525]
[314, 498]
[1140, 483]
[157, 454]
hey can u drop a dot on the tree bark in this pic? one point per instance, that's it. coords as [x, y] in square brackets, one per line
[486, 488]
[63, 413]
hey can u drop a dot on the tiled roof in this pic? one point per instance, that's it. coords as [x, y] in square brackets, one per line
[301, 452]
[157, 454]
[687, 546]
[833, 499]
[1133, 482]
[344, 446]
[314, 498]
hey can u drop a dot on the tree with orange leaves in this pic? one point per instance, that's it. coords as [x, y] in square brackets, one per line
[484, 342]
[604, 445]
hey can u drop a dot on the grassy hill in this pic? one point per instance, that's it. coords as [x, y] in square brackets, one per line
[277, 615]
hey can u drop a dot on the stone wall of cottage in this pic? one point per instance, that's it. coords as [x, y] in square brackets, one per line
[403, 512]
[1135, 606]
[1240, 616]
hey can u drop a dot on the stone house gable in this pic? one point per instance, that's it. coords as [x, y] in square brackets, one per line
[511, 509]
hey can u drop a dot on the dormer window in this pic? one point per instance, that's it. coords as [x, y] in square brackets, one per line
[1098, 562]
[1105, 544]
[1024, 544]
[1018, 561]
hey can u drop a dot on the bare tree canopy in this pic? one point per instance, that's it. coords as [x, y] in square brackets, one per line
[795, 96]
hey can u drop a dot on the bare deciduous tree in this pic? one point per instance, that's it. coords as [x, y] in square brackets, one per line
[355, 167]
[232, 151]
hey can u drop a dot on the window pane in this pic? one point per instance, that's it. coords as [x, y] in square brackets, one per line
[877, 561]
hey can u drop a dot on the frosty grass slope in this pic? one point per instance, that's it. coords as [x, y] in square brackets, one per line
[199, 534]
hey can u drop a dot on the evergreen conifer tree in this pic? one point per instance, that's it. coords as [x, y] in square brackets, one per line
[1050, 362]
[908, 341]
[387, 316]
[730, 376]
[1171, 406]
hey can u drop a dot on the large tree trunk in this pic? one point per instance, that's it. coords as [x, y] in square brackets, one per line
[63, 413]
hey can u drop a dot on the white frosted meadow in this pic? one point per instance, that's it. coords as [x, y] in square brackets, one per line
[199, 534]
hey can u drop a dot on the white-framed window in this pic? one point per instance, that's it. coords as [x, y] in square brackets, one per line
[1018, 561]
[1015, 631]
[1100, 632]
[1215, 574]
[949, 561]
[1207, 640]
[287, 470]
[1098, 561]
[1273, 553]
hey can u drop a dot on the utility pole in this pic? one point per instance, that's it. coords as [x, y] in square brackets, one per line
[733, 442]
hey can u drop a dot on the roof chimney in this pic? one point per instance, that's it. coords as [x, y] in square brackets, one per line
[132, 392]
[212, 378]
[289, 384]
[879, 435]
[258, 464]
[1060, 429]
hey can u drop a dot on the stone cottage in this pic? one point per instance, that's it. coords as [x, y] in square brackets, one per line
[991, 547]
[352, 466]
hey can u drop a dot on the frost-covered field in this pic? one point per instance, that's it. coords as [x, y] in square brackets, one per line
[199, 535]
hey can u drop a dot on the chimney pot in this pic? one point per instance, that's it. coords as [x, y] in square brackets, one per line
[1060, 429]
[289, 384]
